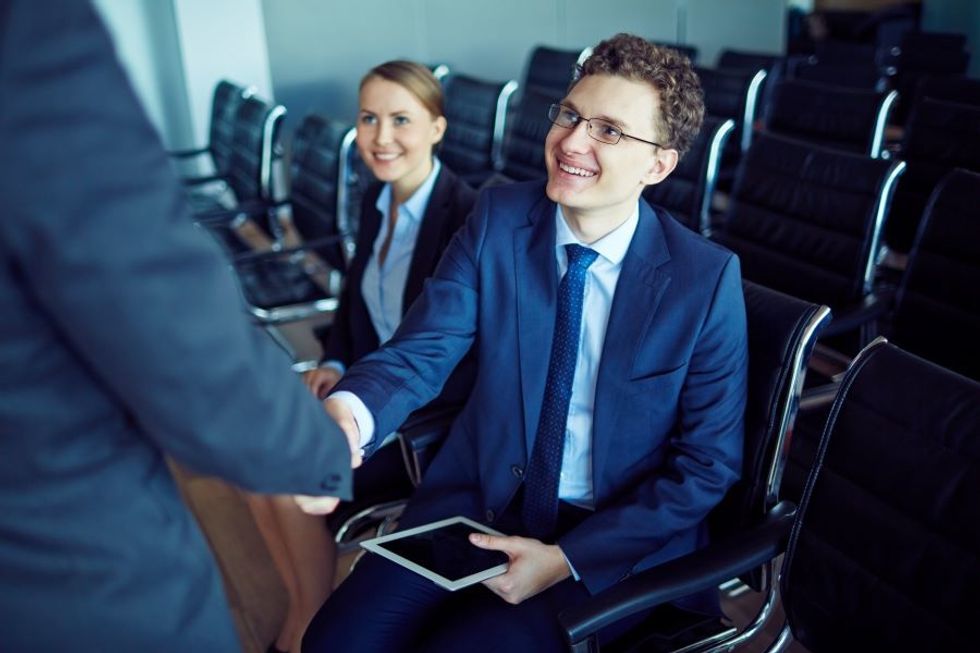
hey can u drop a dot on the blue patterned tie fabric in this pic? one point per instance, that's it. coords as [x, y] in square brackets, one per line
[540, 511]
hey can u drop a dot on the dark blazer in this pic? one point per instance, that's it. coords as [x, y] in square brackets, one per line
[122, 339]
[352, 334]
[670, 396]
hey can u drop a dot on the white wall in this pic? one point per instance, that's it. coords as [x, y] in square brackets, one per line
[146, 41]
[318, 51]
[220, 39]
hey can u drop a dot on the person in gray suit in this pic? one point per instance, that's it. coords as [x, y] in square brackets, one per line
[122, 340]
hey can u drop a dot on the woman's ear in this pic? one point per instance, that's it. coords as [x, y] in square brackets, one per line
[438, 129]
[661, 165]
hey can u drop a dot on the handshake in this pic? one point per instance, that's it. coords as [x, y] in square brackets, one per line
[320, 382]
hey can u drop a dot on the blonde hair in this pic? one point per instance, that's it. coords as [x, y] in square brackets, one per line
[413, 77]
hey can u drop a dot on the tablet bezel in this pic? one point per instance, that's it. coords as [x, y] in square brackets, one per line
[375, 545]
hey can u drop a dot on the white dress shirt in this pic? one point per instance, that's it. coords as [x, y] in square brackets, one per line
[383, 285]
[575, 481]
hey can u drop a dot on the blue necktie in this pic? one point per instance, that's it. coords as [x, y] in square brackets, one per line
[540, 510]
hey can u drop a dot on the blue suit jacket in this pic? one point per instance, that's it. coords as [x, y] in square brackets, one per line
[670, 396]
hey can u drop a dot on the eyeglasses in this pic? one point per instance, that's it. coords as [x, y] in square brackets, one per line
[599, 129]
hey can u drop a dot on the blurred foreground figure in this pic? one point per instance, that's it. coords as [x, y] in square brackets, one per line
[122, 340]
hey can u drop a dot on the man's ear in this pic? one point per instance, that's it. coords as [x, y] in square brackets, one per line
[661, 165]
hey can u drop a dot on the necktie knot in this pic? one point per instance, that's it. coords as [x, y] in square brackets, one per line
[580, 257]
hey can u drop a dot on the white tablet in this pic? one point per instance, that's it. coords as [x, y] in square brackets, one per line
[441, 551]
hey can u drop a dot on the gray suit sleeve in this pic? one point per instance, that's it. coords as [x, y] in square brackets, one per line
[95, 224]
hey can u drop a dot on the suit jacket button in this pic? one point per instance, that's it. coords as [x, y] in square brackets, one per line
[517, 471]
[490, 515]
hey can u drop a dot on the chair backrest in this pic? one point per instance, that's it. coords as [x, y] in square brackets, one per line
[528, 125]
[927, 53]
[883, 552]
[315, 180]
[939, 136]
[476, 111]
[254, 144]
[687, 192]
[551, 70]
[852, 120]
[781, 333]
[948, 88]
[937, 314]
[225, 101]
[744, 60]
[856, 75]
[733, 94]
[807, 220]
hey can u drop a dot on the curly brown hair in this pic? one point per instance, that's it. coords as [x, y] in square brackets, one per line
[669, 71]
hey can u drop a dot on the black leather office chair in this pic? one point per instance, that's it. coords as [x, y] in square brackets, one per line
[782, 331]
[687, 192]
[923, 54]
[807, 221]
[844, 64]
[852, 120]
[948, 88]
[939, 136]
[734, 94]
[882, 555]
[304, 280]
[551, 70]
[937, 313]
[254, 149]
[748, 61]
[225, 101]
[476, 110]
[528, 125]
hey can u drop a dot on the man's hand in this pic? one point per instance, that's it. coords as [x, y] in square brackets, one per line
[534, 566]
[341, 414]
[316, 505]
[321, 381]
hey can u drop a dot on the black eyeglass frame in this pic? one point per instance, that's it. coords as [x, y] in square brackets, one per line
[556, 109]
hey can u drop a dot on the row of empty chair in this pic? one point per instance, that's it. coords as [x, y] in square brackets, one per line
[805, 219]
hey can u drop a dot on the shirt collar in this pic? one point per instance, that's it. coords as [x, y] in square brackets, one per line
[611, 247]
[414, 207]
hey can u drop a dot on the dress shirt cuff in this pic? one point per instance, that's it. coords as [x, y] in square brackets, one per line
[363, 417]
[333, 365]
[571, 567]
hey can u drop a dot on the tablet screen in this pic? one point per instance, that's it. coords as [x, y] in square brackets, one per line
[446, 551]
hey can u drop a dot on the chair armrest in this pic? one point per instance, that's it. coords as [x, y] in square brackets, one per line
[244, 210]
[872, 307]
[257, 258]
[185, 154]
[703, 569]
[200, 181]
[421, 436]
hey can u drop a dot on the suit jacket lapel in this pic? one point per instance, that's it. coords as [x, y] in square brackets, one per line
[536, 279]
[428, 241]
[638, 292]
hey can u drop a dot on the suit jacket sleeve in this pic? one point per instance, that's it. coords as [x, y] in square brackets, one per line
[96, 227]
[439, 328]
[703, 460]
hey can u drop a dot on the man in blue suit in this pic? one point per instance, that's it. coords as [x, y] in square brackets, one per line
[122, 339]
[606, 418]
